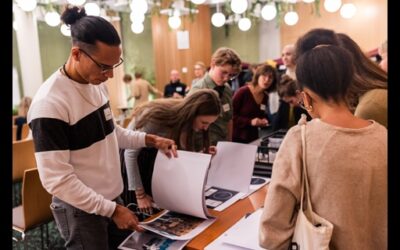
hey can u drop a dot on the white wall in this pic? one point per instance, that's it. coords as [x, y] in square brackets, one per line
[270, 40]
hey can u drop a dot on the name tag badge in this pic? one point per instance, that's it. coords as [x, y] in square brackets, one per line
[263, 107]
[107, 114]
[179, 89]
[226, 107]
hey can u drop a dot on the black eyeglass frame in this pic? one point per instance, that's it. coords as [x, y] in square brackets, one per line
[104, 68]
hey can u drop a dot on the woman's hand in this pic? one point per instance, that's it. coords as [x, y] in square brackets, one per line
[144, 203]
[168, 146]
[257, 122]
[212, 150]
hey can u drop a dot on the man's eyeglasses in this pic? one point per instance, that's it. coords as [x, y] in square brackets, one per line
[224, 73]
[104, 68]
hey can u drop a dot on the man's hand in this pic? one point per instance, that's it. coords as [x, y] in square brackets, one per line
[124, 218]
[166, 145]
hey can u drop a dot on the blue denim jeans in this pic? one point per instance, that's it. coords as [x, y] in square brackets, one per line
[82, 230]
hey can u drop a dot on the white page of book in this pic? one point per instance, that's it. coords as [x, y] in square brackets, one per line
[259, 182]
[178, 183]
[219, 244]
[232, 166]
[245, 232]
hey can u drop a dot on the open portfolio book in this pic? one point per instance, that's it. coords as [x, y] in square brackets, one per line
[185, 186]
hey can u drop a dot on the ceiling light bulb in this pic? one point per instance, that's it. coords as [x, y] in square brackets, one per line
[15, 25]
[244, 24]
[92, 9]
[239, 6]
[76, 2]
[140, 6]
[174, 22]
[332, 5]
[291, 18]
[65, 30]
[27, 5]
[137, 17]
[218, 19]
[137, 28]
[348, 10]
[268, 12]
[52, 18]
[198, 1]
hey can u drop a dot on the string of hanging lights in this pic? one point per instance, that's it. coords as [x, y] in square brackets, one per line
[227, 12]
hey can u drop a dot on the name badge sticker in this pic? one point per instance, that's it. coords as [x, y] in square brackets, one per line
[226, 107]
[107, 114]
[179, 89]
[263, 107]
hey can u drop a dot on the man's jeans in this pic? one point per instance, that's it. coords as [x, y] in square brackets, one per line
[81, 230]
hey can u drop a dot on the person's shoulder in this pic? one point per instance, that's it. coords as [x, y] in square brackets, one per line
[244, 88]
[379, 128]
[375, 93]
[228, 88]
[198, 85]
[19, 120]
[240, 91]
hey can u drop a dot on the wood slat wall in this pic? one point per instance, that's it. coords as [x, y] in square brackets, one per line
[368, 27]
[166, 53]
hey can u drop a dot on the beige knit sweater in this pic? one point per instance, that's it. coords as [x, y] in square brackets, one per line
[347, 171]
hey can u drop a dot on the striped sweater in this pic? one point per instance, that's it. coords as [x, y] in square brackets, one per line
[76, 143]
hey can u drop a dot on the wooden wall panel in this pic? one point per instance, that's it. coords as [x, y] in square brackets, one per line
[368, 27]
[166, 53]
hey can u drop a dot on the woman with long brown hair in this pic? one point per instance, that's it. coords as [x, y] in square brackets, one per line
[176, 119]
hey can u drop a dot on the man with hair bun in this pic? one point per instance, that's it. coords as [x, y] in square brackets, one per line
[77, 140]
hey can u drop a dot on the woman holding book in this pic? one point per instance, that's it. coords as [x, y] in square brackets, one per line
[177, 119]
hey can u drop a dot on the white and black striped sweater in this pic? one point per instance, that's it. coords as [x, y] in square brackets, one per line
[76, 143]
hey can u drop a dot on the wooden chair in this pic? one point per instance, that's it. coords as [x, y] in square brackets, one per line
[23, 158]
[126, 122]
[14, 133]
[25, 131]
[35, 209]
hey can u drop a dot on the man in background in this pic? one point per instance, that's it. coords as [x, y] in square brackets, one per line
[175, 88]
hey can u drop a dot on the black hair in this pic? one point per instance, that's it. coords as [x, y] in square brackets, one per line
[327, 71]
[313, 38]
[87, 30]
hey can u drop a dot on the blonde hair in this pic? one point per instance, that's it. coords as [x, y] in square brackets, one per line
[177, 115]
[227, 56]
[201, 64]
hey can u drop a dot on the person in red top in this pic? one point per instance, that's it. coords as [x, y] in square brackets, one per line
[250, 103]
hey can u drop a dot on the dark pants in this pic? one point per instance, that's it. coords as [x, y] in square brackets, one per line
[82, 230]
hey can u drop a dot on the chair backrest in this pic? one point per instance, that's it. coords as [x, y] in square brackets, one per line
[14, 133]
[126, 122]
[35, 200]
[23, 158]
[25, 131]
